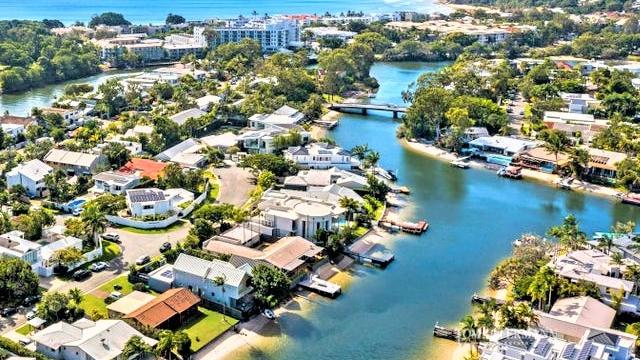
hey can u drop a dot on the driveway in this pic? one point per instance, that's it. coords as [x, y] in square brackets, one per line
[135, 245]
[236, 184]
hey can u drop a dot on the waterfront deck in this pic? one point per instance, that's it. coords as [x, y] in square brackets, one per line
[392, 222]
[369, 250]
[323, 287]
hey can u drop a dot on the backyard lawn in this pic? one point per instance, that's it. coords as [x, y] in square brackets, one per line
[206, 327]
[24, 329]
[93, 302]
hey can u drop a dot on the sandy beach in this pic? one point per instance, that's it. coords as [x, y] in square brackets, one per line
[548, 179]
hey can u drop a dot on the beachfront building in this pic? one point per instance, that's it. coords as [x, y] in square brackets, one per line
[596, 267]
[30, 176]
[603, 165]
[292, 254]
[272, 34]
[86, 339]
[74, 162]
[321, 156]
[152, 202]
[200, 277]
[580, 127]
[514, 344]
[303, 213]
[115, 182]
[541, 159]
[285, 117]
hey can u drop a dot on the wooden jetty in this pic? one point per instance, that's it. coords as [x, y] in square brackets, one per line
[477, 299]
[406, 226]
[316, 284]
[445, 333]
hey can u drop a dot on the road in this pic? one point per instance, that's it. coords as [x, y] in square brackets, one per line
[236, 184]
[515, 117]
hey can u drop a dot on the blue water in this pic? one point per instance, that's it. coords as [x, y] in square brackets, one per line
[474, 217]
[146, 11]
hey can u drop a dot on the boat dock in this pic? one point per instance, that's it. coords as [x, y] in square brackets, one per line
[327, 124]
[445, 333]
[369, 250]
[477, 299]
[316, 284]
[391, 222]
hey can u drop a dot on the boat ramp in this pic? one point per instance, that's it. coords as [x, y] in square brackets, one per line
[368, 249]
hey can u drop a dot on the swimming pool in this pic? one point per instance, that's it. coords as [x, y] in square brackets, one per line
[499, 159]
[76, 203]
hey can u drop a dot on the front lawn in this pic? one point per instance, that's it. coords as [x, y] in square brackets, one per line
[93, 303]
[173, 227]
[206, 327]
[125, 286]
[110, 251]
[24, 329]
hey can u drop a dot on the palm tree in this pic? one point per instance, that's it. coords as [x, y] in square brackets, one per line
[469, 330]
[578, 161]
[632, 273]
[164, 346]
[605, 242]
[616, 258]
[351, 205]
[75, 294]
[542, 284]
[486, 321]
[94, 221]
[526, 315]
[220, 281]
[371, 159]
[136, 348]
[360, 151]
[555, 142]
[214, 155]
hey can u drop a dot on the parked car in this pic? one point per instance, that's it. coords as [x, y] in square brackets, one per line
[24, 341]
[31, 314]
[165, 247]
[115, 295]
[268, 313]
[30, 300]
[143, 260]
[98, 266]
[111, 237]
[81, 274]
[8, 311]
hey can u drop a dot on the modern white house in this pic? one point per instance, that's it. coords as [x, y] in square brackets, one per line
[501, 145]
[315, 179]
[262, 141]
[321, 156]
[86, 339]
[14, 245]
[115, 182]
[285, 117]
[152, 202]
[30, 176]
[579, 103]
[200, 276]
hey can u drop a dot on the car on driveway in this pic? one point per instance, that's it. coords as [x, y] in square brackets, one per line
[111, 237]
[165, 247]
[31, 314]
[98, 266]
[30, 300]
[8, 311]
[143, 260]
[115, 295]
[81, 275]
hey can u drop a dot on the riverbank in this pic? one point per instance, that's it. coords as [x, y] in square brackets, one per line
[532, 175]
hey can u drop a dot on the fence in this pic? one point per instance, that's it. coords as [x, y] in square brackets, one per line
[160, 224]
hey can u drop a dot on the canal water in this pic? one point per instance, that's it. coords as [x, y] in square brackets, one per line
[474, 216]
[21, 103]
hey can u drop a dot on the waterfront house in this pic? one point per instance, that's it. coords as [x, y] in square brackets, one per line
[291, 254]
[74, 162]
[168, 310]
[128, 304]
[321, 156]
[595, 267]
[602, 164]
[514, 344]
[285, 117]
[154, 202]
[200, 276]
[115, 182]
[30, 176]
[541, 159]
[86, 339]
[499, 149]
[474, 132]
[182, 117]
[314, 179]
[147, 168]
[186, 154]
[263, 141]
[571, 318]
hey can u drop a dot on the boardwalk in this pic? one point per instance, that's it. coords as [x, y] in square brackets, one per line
[364, 108]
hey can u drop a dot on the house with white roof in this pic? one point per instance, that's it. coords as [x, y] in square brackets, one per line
[314, 178]
[578, 103]
[186, 154]
[222, 141]
[115, 182]
[138, 130]
[206, 102]
[13, 130]
[14, 245]
[595, 267]
[30, 176]
[575, 125]
[152, 202]
[501, 145]
[200, 276]
[285, 117]
[182, 117]
[262, 141]
[321, 156]
[86, 339]
[77, 162]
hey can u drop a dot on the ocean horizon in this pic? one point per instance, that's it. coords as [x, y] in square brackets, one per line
[155, 12]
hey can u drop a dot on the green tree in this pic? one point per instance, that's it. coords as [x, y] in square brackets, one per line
[569, 234]
[175, 19]
[426, 115]
[628, 174]
[136, 348]
[555, 142]
[94, 221]
[53, 306]
[117, 154]
[578, 161]
[67, 256]
[76, 296]
[351, 205]
[17, 281]
[271, 285]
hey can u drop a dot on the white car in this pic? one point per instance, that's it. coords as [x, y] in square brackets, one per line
[31, 314]
[99, 266]
[268, 313]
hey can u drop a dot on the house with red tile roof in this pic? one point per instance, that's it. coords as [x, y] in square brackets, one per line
[168, 310]
[147, 167]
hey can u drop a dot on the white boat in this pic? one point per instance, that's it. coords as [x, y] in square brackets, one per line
[565, 183]
[460, 163]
